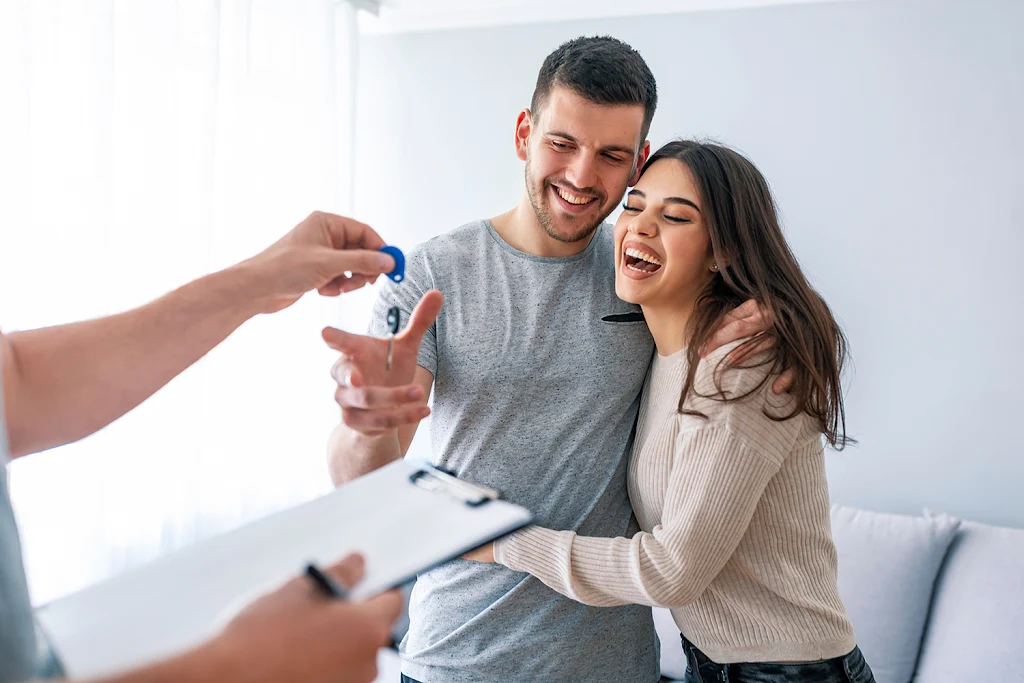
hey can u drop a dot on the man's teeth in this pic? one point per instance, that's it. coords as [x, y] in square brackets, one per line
[572, 198]
[643, 256]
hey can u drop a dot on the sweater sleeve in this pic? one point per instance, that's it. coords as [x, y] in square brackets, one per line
[721, 467]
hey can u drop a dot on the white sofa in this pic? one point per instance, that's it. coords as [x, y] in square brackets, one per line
[934, 599]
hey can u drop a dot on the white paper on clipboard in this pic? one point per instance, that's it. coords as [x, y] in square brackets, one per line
[404, 518]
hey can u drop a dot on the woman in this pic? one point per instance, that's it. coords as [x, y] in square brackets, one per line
[727, 479]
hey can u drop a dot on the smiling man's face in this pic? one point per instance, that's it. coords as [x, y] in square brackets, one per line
[580, 158]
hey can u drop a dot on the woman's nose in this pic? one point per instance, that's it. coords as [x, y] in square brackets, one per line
[641, 225]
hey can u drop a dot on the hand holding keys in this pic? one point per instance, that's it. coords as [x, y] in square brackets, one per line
[394, 313]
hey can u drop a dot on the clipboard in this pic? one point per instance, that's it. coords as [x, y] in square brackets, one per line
[404, 518]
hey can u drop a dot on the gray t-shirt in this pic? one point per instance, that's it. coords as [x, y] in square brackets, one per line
[538, 369]
[17, 628]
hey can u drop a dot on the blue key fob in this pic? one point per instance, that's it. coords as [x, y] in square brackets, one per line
[398, 274]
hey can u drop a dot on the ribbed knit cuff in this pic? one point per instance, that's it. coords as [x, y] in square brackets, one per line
[536, 550]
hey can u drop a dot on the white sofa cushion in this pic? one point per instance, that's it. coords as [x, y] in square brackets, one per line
[976, 630]
[887, 569]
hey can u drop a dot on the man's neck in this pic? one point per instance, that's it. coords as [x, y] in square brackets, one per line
[521, 230]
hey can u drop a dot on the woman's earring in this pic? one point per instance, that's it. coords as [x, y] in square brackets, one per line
[714, 267]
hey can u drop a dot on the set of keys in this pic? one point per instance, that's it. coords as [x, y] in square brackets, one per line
[394, 313]
[394, 322]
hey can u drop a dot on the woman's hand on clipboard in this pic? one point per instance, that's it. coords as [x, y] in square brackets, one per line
[484, 553]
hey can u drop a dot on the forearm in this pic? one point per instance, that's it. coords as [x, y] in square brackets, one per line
[706, 512]
[603, 572]
[211, 663]
[64, 383]
[351, 454]
[548, 555]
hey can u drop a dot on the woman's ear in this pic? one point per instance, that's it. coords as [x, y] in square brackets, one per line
[716, 263]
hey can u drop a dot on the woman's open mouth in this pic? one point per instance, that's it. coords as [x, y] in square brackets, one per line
[640, 261]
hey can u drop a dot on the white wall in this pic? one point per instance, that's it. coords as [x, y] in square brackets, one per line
[891, 134]
[142, 145]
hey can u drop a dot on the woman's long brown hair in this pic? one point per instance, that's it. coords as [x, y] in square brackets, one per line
[755, 262]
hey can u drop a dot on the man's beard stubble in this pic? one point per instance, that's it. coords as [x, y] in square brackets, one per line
[546, 220]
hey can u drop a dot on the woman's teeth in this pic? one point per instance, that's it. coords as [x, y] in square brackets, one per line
[643, 256]
[641, 261]
[573, 198]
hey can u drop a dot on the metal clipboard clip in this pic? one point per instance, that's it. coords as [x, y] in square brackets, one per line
[437, 480]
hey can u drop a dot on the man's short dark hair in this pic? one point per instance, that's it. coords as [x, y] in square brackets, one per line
[602, 69]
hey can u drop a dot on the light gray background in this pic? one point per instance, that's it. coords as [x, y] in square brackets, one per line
[890, 131]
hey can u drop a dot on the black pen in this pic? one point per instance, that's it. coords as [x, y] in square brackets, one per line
[326, 583]
[332, 589]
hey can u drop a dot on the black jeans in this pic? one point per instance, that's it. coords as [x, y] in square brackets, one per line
[849, 669]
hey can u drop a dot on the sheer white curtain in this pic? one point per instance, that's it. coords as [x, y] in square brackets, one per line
[142, 144]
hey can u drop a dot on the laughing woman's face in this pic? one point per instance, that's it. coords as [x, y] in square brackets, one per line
[663, 251]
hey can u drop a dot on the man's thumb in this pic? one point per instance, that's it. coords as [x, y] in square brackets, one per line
[424, 315]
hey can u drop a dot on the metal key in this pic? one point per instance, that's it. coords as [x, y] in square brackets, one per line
[394, 320]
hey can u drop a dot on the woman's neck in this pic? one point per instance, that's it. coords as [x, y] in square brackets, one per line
[668, 325]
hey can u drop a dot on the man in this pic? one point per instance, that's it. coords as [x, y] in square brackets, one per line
[537, 369]
[61, 384]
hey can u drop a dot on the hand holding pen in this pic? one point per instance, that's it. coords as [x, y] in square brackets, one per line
[339, 638]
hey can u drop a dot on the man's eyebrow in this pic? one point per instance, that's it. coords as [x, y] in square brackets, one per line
[610, 148]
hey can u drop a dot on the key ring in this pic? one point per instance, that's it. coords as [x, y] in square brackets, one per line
[394, 320]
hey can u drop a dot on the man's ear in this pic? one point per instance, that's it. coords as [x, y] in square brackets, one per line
[641, 159]
[524, 127]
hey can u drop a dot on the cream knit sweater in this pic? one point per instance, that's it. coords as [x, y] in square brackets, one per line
[734, 512]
